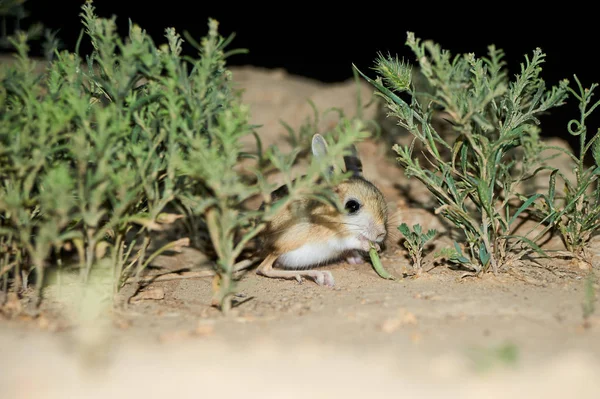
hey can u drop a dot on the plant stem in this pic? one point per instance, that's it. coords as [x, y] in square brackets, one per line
[39, 271]
[142, 254]
[89, 255]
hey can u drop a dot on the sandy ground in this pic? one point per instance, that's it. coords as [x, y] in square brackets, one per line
[518, 334]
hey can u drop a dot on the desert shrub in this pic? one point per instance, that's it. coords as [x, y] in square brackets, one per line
[86, 152]
[99, 154]
[574, 211]
[477, 174]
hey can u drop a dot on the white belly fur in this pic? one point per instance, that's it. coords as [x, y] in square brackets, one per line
[317, 253]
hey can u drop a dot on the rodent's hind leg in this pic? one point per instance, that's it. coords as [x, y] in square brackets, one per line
[355, 258]
[320, 277]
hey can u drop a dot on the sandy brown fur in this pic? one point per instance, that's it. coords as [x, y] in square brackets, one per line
[307, 232]
[308, 220]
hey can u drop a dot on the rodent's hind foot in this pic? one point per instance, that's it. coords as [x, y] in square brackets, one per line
[324, 278]
[320, 277]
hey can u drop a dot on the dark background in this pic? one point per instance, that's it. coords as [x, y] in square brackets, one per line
[321, 40]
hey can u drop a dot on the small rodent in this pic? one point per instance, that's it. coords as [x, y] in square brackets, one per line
[309, 233]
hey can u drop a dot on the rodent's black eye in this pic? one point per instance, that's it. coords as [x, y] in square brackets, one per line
[352, 206]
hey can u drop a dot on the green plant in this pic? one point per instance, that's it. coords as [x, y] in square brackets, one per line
[575, 213]
[475, 177]
[86, 158]
[415, 242]
[86, 155]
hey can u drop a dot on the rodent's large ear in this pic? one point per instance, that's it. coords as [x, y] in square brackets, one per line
[319, 150]
[319, 146]
[353, 163]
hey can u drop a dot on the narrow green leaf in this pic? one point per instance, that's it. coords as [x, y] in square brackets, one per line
[529, 242]
[381, 88]
[523, 207]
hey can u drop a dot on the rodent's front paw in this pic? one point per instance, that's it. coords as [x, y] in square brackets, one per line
[355, 259]
[366, 244]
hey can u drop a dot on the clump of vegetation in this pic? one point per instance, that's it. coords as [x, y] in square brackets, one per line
[415, 241]
[576, 212]
[87, 151]
[476, 175]
[99, 154]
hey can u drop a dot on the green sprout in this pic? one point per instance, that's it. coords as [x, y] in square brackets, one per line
[415, 241]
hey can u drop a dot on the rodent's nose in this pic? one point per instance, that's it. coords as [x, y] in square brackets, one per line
[380, 237]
